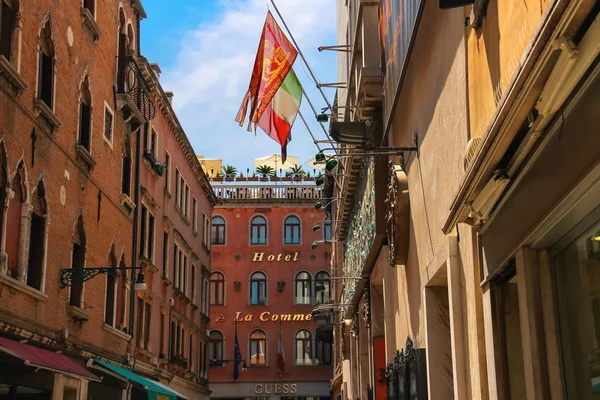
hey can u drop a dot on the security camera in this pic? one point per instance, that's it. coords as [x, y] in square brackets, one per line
[171, 302]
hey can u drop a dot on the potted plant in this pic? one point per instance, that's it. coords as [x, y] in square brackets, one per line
[265, 172]
[230, 172]
[218, 177]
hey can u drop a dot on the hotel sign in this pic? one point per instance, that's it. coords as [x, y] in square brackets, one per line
[267, 316]
[259, 257]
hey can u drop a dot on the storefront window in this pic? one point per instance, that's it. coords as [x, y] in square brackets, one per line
[577, 277]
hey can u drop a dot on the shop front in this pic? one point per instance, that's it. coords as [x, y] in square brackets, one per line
[288, 390]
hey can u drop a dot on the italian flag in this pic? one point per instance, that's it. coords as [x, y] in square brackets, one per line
[279, 116]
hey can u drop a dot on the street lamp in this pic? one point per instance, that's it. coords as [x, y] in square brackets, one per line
[69, 276]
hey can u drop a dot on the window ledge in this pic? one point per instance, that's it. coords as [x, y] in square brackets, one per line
[77, 313]
[194, 306]
[127, 202]
[145, 262]
[43, 112]
[15, 284]
[206, 248]
[84, 155]
[90, 23]
[166, 281]
[115, 331]
[12, 76]
[124, 100]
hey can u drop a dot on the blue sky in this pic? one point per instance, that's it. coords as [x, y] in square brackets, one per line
[206, 50]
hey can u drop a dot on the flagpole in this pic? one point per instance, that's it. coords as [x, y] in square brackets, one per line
[309, 70]
[320, 123]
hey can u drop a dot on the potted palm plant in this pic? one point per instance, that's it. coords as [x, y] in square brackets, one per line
[297, 173]
[265, 172]
[229, 172]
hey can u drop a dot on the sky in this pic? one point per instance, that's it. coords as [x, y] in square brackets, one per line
[206, 51]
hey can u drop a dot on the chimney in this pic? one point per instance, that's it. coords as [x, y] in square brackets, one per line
[156, 69]
[170, 96]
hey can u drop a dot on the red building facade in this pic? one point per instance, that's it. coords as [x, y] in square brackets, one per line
[266, 280]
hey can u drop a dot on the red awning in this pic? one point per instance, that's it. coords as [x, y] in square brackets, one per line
[45, 359]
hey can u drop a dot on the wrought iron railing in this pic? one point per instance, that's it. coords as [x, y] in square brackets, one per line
[132, 82]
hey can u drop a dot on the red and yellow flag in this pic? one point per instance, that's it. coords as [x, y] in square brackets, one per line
[274, 60]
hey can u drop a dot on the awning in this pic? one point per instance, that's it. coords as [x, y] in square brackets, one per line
[45, 359]
[179, 395]
[155, 391]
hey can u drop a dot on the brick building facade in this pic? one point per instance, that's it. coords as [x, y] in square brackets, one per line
[266, 282]
[72, 101]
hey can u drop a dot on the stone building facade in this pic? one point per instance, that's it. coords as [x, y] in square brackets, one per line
[73, 101]
[472, 253]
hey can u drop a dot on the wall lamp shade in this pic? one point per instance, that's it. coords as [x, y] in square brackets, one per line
[319, 181]
[140, 283]
[331, 164]
[319, 286]
[314, 246]
[318, 205]
[316, 227]
[320, 157]
[322, 118]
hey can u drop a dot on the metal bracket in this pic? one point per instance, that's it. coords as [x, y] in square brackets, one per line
[338, 47]
[68, 276]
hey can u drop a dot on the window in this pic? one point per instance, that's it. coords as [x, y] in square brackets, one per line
[303, 341]
[46, 67]
[207, 230]
[204, 360]
[215, 346]
[78, 262]
[191, 353]
[167, 172]
[205, 293]
[153, 142]
[258, 230]
[91, 6]
[218, 230]
[172, 338]
[143, 324]
[163, 322]
[182, 193]
[302, 288]
[85, 116]
[217, 289]
[179, 268]
[126, 167]
[324, 347]
[322, 288]
[147, 233]
[258, 289]
[7, 25]
[327, 229]
[111, 290]
[291, 230]
[177, 183]
[123, 289]
[258, 348]
[109, 122]
[193, 290]
[186, 200]
[37, 237]
[184, 283]
[165, 261]
[194, 214]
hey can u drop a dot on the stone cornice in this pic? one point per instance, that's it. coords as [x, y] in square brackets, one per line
[164, 105]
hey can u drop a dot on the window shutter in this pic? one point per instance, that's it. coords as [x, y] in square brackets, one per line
[122, 62]
[7, 18]
[85, 122]
[46, 78]
[77, 237]
[89, 4]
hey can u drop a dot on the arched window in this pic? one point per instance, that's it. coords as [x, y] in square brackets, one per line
[122, 52]
[13, 220]
[258, 348]
[215, 346]
[46, 67]
[291, 230]
[85, 116]
[78, 262]
[217, 289]
[302, 288]
[126, 167]
[258, 289]
[303, 348]
[122, 296]
[37, 237]
[218, 230]
[9, 38]
[322, 287]
[111, 291]
[258, 230]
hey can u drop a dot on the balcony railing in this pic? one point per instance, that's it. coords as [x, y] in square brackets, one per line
[131, 82]
[272, 192]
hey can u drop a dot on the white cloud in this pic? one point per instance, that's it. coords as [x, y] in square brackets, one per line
[212, 70]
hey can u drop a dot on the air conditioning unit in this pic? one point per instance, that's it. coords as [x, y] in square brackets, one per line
[473, 146]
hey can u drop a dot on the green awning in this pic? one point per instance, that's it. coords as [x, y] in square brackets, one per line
[155, 392]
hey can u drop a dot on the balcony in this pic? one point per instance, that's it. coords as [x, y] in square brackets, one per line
[268, 191]
[133, 93]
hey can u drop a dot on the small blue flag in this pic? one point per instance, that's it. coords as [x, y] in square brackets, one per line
[237, 356]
